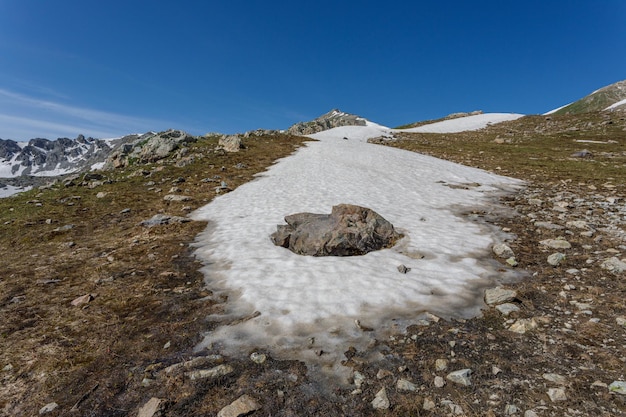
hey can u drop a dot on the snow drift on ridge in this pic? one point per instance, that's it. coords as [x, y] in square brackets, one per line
[317, 299]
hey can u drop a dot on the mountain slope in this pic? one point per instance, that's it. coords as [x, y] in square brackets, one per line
[334, 118]
[611, 97]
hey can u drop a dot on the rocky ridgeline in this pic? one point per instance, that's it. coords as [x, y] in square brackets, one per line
[332, 119]
[42, 155]
[147, 148]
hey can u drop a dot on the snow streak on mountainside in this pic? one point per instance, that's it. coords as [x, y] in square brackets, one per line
[463, 124]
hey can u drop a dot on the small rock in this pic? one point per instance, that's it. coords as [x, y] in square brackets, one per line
[530, 413]
[556, 258]
[215, 372]
[439, 382]
[428, 404]
[403, 269]
[258, 358]
[381, 401]
[383, 373]
[177, 197]
[556, 378]
[151, 408]
[441, 364]
[101, 194]
[461, 377]
[242, 406]
[521, 326]
[499, 295]
[48, 408]
[621, 321]
[512, 262]
[404, 385]
[507, 308]
[511, 409]
[614, 265]
[359, 378]
[578, 224]
[556, 243]
[502, 250]
[557, 394]
[84, 299]
[618, 387]
[495, 370]
[548, 225]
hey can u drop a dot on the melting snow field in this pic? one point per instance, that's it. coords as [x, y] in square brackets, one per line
[311, 303]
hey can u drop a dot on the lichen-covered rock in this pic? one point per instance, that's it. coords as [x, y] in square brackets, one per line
[232, 143]
[349, 230]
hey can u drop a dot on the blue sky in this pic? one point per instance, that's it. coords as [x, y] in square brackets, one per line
[108, 68]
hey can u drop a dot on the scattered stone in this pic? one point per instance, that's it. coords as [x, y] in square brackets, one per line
[578, 224]
[428, 404]
[454, 408]
[383, 373]
[381, 401]
[359, 379]
[556, 243]
[507, 308]
[219, 370]
[502, 250]
[162, 219]
[614, 265]
[441, 364]
[495, 370]
[439, 382]
[530, 413]
[349, 230]
[404, 385]
[242, 406]
[499, 295]
[64, 228]
[177, 197]
[83, 299]
[555, 378]
[151, 408]
[511, 409]
[556, 258]
[522, 326]
[618, 387]
[621, 321]
[512, 262]
[403, 269]
[258, 358]
[461, 377]
[101, 194]
[557, 394]
[548, 225]
[48, 408]
[7, 368]
[124, 211]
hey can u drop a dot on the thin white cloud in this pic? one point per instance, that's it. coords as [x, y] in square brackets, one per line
[23, 117]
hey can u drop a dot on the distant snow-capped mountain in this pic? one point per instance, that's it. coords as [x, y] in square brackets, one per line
[43, 157]
[611, 97]
[334, 118]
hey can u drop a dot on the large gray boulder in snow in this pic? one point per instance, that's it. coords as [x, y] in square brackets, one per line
[349, 230]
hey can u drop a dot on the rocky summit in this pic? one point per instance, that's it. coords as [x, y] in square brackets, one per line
[334, 118]
[347, 231]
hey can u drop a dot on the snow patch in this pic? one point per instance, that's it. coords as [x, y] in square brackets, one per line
[311, 303]
[614, 105]
[467, 123]
[9, 190]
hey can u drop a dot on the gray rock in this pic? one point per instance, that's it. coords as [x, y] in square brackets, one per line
[555, 378]
[557, 394]
[404, 385]
[381, 401]
[621, 321]
[48, 408]
[522, 326]
[510, 410]
[618, 387]
[242, 406]
[461, 377]
[556, 258]
[507, 308]
[258, 358]
[502, 250]
[349, 230]
[162, 219]
[439, 382]
[441, 364]
[556, 243]
[231, 143]
[614, 265]
[499, 295]
[548, 225]
[219, 370]
[403, 269]
[177, 197]
[578, 224]
[151, 408]
[428, 404]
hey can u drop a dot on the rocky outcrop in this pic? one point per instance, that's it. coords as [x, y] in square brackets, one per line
[349, 230]
[232, 143]
[334, 118]
[147, 148]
